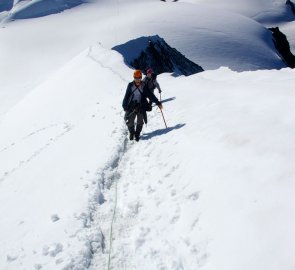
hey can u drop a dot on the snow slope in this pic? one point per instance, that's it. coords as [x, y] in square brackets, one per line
[214, 190]
[36, 8]
[53, 144]
[31, 50]
[267, 12]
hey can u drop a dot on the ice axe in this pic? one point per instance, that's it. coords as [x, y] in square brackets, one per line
[161, 110]
[163, 117]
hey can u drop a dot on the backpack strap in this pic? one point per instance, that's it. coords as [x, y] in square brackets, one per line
[132, 93]
[135, 90]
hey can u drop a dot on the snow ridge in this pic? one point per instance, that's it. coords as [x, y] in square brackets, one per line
[98, 222]
[102, 216]
[92, 54]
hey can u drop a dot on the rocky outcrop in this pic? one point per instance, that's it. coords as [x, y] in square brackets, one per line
[292, 6]
[282, 45]
[153, 52]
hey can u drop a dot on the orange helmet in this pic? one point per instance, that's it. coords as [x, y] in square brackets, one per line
[137, 74]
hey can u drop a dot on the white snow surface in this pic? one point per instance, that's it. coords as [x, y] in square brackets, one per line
[214, 190]
[268, 12]
[32, 49]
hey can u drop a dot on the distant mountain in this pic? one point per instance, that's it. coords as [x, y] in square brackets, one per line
[153, 52]
[292, 6]
[24, 9]
[6, 5]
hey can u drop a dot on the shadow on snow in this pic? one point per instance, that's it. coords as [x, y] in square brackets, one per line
[168, 99]
[159, 132]
[165, 100]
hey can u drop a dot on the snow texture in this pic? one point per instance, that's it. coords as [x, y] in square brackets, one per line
[214, 183]
[214, 190]
[32, 50]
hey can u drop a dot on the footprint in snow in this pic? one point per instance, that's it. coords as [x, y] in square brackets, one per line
[173, 192]
[55, 218]
[53, 250]
[142, 236]
[194, 196]
[194, 223]
[174, 219]
[11, 258]
[150, 190]
[38, 266]
[134, 208]
[59, 261]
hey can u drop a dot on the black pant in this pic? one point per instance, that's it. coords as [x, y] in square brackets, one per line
[130, 121]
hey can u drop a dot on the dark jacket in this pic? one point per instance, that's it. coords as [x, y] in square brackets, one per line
[152, 84]
[143, 106]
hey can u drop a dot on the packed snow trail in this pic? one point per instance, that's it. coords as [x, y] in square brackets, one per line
[191, 195]
[113, 221]
[217, 182]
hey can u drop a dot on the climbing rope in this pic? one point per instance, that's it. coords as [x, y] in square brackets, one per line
[112, 223]
[116, 184]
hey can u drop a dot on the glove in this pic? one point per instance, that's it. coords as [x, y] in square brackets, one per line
[160, 91]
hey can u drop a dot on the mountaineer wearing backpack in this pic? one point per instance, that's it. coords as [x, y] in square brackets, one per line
[151, 81]
[135, 104]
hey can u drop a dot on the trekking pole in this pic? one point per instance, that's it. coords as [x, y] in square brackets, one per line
[163, 117]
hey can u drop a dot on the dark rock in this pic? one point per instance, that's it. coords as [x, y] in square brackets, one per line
[292, 6]
[283, 47]
[153, 52]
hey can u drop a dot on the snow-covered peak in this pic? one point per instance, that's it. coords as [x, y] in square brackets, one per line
[25, 9]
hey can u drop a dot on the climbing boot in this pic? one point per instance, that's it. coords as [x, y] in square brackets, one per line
[137, 132]
[131, 136]
[131, 133]
[137, 136]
